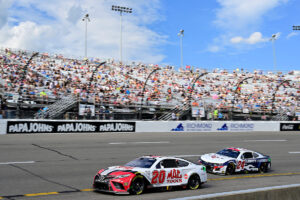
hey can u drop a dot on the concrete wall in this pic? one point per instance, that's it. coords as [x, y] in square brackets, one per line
[98, 126]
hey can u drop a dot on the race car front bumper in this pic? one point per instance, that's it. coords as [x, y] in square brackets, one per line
[110, 185]
[214, 167]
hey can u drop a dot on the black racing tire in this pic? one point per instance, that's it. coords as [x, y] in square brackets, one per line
[230, 169]
[137, 185]
[263, 168]
[194, 182]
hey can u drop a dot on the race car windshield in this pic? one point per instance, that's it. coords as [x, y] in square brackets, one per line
[141, 162]
[229, 152]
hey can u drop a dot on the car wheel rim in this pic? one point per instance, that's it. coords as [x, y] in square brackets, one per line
[138, 187]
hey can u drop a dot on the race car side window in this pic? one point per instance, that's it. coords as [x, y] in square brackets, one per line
[247, 155]
[181, 163]
[169, 163]
[158, 166]
[255, 155]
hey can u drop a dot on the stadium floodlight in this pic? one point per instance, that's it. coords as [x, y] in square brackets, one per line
[181, 34]
[86, 19]
[296, 28]
[121, 10]
[273, 38]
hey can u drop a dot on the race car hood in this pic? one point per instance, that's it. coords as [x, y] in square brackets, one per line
[113, 169]
[215, 158]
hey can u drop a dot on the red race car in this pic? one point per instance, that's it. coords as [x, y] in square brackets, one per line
[150, 171]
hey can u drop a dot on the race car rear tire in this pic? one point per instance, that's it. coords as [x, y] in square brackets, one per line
[263, 168]
[137, 185]
[230, 169]
[194, 182]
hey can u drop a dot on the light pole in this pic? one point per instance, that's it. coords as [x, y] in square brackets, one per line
[22, 78]
[236, 92]
[296, 28]
[192, 90]
[86, 19]
[121, 10]
[181, 34]
[273, 38]
[143, 92]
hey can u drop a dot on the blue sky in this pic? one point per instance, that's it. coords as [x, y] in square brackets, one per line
[225, 34]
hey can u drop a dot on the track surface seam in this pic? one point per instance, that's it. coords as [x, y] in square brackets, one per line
[45, 179]
[53, 150]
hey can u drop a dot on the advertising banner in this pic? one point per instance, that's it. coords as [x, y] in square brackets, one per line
[289, 126]
[68, 127]
[198, 112]
[206, 126]
[86, 110]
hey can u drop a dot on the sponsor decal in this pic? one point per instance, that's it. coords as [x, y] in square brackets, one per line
[242, 126]
[178, 128]
[24, 127]
[116, 127]
[223, 128]
[237, 127]
[76, 127]
[68, 127]
[199, 126]
[195, 126]
[289, 126]
[186, 176]
[174, 176]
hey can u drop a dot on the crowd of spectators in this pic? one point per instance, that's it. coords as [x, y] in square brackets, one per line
[49, 77]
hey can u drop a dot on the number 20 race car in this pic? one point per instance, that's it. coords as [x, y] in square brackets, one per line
[231, 160]
[150, 171]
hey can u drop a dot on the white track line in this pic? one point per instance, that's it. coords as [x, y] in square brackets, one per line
[160, 142]
[294, 152]
[204, 196]
[24, 162]
[265, 140]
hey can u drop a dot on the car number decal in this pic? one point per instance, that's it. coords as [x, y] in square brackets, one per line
[240, 165]
[158, 177]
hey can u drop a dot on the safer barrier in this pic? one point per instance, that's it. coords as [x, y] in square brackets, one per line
[98, 126]
[286, 192]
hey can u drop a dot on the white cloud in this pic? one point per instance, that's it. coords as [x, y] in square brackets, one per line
[57, 27]
[237, 15]
[292, 34]
[254, 38]
[213, 48]
[237, 18]
[25, 35]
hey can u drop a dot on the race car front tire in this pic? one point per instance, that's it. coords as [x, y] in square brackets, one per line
[230, 169]
[137, 185]
[194, 182]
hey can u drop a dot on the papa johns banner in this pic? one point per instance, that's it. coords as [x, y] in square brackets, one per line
[68, 127]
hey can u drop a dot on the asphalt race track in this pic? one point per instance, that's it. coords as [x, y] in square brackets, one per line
[62, 166]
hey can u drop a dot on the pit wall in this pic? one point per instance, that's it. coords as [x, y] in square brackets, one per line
[97, 126]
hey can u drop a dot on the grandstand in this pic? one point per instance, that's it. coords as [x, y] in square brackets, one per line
[56, 87]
